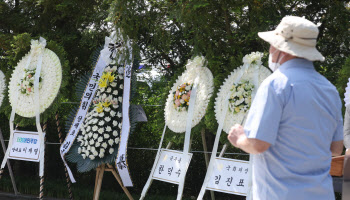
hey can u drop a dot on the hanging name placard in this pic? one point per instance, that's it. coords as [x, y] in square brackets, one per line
[25, 146]
[168, 167]
[230, 176]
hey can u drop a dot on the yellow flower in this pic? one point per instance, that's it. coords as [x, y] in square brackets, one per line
[102, 83]
[111, 78]
[106, 104]
[99, 107]
[106, 75]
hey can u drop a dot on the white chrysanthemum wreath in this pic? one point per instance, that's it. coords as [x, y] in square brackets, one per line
[99, 135]
[177, 103]
[347, 95]
[22, 81]
[248, 77]
[2, 86]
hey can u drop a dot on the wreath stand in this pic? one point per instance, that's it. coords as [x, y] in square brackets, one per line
[222, 152]
[186, 150]
[99, 176]
[42, 178]
[41, 162]
[8, 165]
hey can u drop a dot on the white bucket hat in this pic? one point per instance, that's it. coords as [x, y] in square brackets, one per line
[296, 36]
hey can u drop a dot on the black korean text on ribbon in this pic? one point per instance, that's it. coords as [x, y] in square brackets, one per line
[113, 49]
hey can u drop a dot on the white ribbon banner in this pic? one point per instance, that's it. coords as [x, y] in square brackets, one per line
[187, 137]
[121, 161]
[85, 102]
[42, 42]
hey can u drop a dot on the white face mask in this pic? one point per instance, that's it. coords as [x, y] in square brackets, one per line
[274, 65]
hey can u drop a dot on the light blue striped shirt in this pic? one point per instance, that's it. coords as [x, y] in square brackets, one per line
[298, 112]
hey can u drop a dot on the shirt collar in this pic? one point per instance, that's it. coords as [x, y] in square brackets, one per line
[297, 63]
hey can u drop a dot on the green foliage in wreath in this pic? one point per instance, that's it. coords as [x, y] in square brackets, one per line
[103, 145]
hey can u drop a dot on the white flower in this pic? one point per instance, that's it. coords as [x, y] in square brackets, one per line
[115, 92]
[110, 142]
[115, 133]
[93, 149]
[114, 68]
[100, 130]
[102, 89]
[102, 155]
[91, 142]
[101, 123]
[86, 137]
[83, 155]
[97, 144]
[121, 77]
[104, 96]
[80, 138]
[79, 150]
[95, 136]
[95, 153]
[100, 139]
[94, 128]
[114, 84]
[107, 109]
[120, 70]
[104, 145]
[119, 115]
[115, 106]
[109, 90]
[182, 101]
[121, 86]
[108, 129]
[107, 69]
[115, 123]
[112, 113]
[91, 157]
[107, 119]
[102, 150]
[90, 134]
[101, 114]
[106, 136]
[120, 99]
[88, 148]
[120, 125]
[116, 140]
[111, 150]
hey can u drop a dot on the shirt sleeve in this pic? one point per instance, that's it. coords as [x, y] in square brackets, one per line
[347, 128]
[265, 114]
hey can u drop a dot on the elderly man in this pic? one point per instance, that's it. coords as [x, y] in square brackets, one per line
[295, 124]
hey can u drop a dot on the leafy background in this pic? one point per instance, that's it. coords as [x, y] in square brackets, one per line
[166, 34]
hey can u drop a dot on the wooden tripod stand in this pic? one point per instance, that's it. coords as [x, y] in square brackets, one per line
[99, 176]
